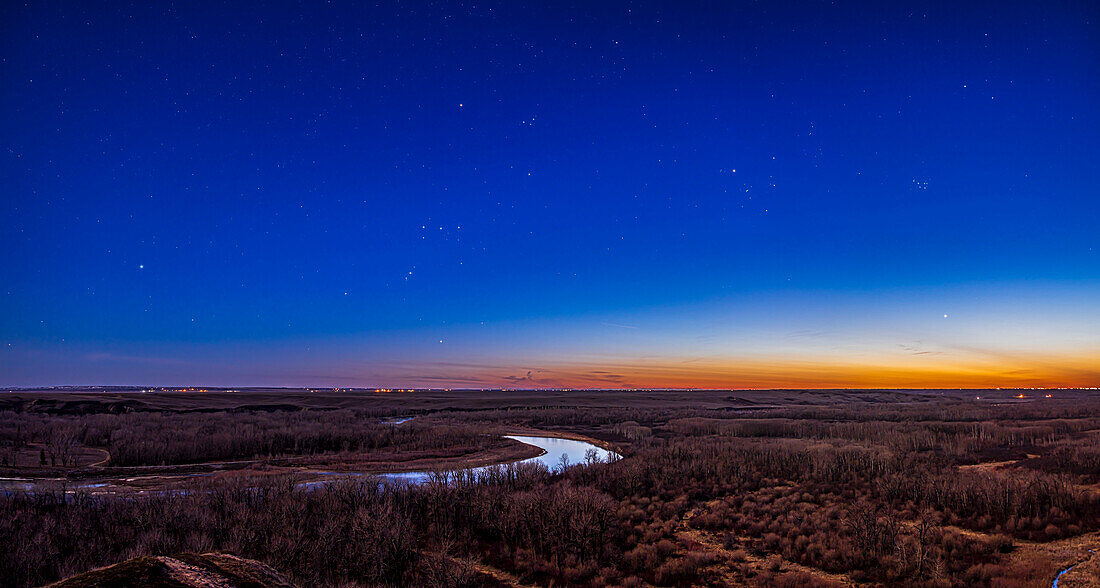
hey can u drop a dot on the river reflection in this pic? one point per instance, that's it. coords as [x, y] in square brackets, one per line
[575, 452]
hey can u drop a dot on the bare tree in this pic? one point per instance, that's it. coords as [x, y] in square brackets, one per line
[591, 456]
[563, 462]
[61, 446]
[926, 530]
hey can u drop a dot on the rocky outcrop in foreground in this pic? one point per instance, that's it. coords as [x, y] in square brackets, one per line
[208, 570]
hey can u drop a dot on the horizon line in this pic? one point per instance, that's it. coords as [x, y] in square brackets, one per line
[388, 389]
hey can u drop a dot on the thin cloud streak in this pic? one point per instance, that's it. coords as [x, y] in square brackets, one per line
[908, 369]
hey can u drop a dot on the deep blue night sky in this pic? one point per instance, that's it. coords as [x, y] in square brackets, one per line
[600, 194]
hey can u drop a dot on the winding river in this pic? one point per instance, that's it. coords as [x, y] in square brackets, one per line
[554, 448]
[555, 452]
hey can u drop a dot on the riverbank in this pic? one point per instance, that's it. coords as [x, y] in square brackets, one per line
[533, 432]
[409, 465]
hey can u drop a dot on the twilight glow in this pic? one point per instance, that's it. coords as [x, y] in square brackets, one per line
[536, 196]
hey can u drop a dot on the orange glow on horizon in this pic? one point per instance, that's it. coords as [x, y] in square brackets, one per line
[767, 373]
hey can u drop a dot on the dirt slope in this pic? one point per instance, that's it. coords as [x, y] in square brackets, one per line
[209, 570]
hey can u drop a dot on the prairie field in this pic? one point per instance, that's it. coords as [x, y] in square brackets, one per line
[735, 488]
